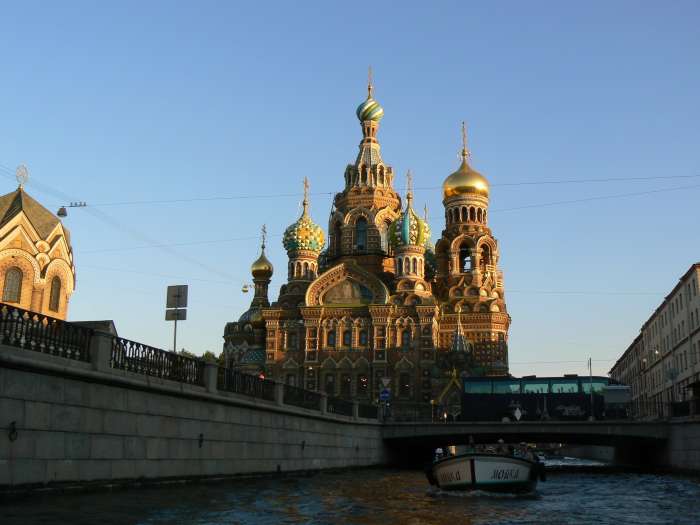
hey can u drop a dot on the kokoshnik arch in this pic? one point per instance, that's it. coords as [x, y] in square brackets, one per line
[380, 301]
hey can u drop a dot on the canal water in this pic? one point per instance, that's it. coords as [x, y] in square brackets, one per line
[371, 496]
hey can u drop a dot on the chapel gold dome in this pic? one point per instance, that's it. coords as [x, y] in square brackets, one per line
[262, 267]
[465, 180]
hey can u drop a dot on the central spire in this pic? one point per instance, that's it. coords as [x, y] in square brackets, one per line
[369, 168]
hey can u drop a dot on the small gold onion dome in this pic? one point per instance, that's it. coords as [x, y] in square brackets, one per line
[465, 179]
[262, 267]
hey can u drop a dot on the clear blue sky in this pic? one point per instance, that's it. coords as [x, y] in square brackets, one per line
[133, 101]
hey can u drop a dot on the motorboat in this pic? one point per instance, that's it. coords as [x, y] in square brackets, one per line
[491, 472]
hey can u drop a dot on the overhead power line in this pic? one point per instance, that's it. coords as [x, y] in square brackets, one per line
[10, 174]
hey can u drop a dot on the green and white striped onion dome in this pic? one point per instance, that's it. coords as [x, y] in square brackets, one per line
[370, 110]
[409, 230]
[304, 235]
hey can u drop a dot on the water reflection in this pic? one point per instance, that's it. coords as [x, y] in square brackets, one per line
[369, 497]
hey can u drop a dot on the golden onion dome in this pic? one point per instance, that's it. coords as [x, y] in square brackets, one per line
[465, 179]
[262, 267]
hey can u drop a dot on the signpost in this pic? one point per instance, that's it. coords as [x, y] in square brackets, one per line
[176, 307]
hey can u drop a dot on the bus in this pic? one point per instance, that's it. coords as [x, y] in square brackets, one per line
[533, 398]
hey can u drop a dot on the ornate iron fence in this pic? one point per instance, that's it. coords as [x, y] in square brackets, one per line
[367, 411]
[44, 334]
[339, 406]
[293, 395]
[231, 380]
[143, 359]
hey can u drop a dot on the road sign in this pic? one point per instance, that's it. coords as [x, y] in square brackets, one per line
[176, 304]
[176, 315]
[385, 395]
[177, 296]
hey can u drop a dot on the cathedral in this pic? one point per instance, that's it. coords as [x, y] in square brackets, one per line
[379, 307]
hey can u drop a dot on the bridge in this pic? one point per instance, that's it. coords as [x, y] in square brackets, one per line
[651, 443]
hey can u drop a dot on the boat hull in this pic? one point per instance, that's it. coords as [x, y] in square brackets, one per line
[490, 472]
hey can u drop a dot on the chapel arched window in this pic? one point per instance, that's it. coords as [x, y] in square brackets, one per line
[12, 291]
[55, 297]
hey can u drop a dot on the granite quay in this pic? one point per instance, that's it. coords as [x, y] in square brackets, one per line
[79, 405]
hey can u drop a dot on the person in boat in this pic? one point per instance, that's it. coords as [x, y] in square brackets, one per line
[501, 448]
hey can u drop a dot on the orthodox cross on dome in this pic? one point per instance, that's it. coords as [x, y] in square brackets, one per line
[305, 202]
[370, 87]
[425, 212]
[466, 154]
[409, 188]
[264, 235]
[22, 175]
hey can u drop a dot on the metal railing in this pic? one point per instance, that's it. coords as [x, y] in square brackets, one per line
[367, 411]
[299, 397]
[340, 406]
[230, 380]
[41, 333]
[139, 358]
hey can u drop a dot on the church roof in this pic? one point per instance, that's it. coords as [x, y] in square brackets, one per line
[42, 219]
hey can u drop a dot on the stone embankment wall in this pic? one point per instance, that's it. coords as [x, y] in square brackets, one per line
[66, 420]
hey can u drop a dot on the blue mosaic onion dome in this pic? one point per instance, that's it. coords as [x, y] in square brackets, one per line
[409, 229]
[370, 110]
[304, 234]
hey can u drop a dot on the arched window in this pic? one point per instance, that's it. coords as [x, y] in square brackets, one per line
[464, 214]
[472, 214]
[337, 238]
[12, 291]
[478, 214]
[400, 266]
[406, 339]
[347, 337]
[55, 297]
[363, 337]
[465, 257]
[485, 256]
[330, 338]
[415, 265]
[361, 234]
[307, 274]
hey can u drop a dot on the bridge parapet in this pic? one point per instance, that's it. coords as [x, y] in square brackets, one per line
[580, 432]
